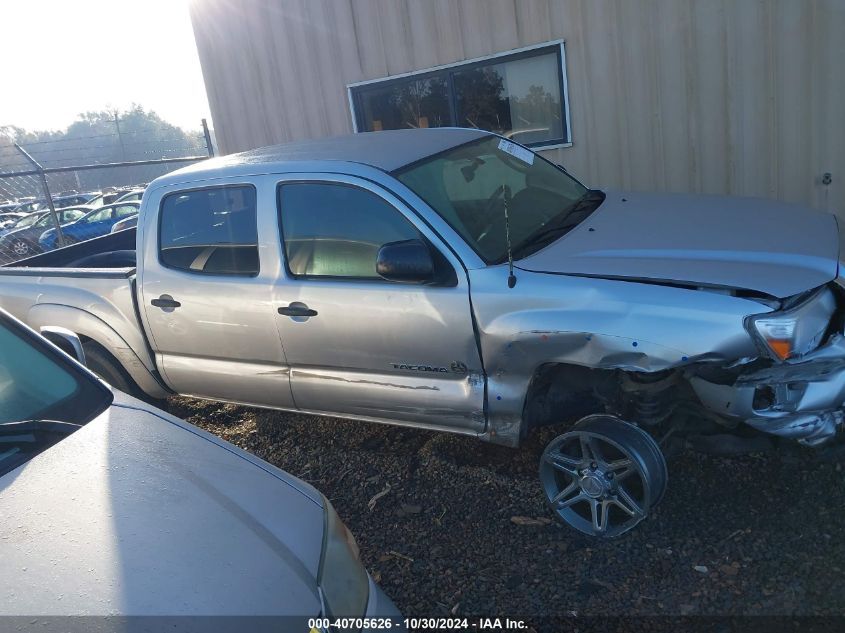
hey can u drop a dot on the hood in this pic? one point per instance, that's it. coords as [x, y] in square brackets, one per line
[139, 513]
[743, 243]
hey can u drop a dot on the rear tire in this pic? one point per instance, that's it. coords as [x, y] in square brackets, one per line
[107, 367]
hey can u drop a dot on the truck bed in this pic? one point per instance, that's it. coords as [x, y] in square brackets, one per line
[111, 251]
[97, 302]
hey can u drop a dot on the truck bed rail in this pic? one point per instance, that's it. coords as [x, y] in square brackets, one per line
[63, 257]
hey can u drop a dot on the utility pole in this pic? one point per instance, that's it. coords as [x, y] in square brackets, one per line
[119, 137]
[208, 146]
[59, 235]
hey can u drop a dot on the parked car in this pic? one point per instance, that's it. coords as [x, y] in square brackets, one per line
[126, 223]
[30, 205]
[114, 508]
[74, 200]
[454, 280]
[133, 195]
[93, 224]
[24, 241]
[26, 219]
[9, 218]
[108, 197]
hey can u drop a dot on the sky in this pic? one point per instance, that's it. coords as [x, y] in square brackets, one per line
[62, 57]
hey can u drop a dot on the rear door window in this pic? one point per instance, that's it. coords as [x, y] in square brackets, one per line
[210, 231]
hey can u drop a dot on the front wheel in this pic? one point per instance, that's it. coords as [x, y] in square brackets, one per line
[20, 248]
[604, 476]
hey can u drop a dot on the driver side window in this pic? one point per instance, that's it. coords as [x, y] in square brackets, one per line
[336, 230]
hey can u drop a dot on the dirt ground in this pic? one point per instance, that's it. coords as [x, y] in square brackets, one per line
[434, 518]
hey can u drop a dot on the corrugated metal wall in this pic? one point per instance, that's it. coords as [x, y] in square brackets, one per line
[720, 96]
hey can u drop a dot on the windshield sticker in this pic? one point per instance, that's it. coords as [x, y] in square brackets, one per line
[517, 151]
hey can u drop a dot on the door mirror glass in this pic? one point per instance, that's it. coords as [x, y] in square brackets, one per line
[408, 261]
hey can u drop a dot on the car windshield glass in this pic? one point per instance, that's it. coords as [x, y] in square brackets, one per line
[471, 186]
[97, 216]
[39, 383]
[27, 221]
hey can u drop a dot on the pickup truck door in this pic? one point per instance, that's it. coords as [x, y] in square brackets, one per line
[206, 293]
[358, 345]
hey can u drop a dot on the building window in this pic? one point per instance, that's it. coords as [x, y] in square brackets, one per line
[520, 95]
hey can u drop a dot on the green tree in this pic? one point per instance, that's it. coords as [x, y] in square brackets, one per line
[105, 136]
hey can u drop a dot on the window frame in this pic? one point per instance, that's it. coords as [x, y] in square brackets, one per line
[353, 90]
[205, 188]
[362, 187]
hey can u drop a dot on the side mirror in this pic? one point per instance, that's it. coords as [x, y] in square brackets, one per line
[65, 340]
[407, 261]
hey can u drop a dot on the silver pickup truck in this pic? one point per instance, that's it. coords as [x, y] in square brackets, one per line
[453, 280]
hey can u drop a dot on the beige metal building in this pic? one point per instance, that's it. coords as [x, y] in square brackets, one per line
[722, 96]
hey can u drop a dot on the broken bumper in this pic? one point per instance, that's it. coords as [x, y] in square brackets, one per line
[801, 400]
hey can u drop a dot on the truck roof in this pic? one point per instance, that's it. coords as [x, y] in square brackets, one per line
[387, 151]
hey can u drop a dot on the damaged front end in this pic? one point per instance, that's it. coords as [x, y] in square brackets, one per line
[796, 388]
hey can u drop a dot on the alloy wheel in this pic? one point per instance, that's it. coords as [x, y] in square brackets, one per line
[20, 248]
[604, 476]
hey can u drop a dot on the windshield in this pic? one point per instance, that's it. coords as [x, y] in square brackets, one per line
[27, 221]
[469, 186]
[39, 383]
[65, 215]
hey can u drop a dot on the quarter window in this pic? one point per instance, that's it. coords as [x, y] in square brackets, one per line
[210, 231]
[335, 230]
[519, 95]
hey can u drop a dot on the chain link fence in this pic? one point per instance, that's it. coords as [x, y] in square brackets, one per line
[55, 192]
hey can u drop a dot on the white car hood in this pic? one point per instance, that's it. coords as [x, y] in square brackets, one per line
[139, 513]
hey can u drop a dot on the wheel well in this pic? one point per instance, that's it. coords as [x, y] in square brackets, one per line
[566, 393]
[561, 393]
[89, 343]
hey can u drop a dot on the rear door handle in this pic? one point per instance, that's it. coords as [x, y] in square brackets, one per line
[297, 309]
[165, 301]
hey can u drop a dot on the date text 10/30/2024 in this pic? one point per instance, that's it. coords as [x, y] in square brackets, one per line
[417, 624]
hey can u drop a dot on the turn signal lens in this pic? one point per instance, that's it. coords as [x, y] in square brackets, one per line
[797, 330]
[782, 349]
[778, 334]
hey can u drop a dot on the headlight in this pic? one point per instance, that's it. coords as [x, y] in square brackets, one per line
[796, 331]
[342, 577]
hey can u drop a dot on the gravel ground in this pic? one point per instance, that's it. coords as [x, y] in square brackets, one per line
[433, 515]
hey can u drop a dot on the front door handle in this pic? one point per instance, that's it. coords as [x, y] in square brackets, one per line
[165, 302]
[297, 309]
